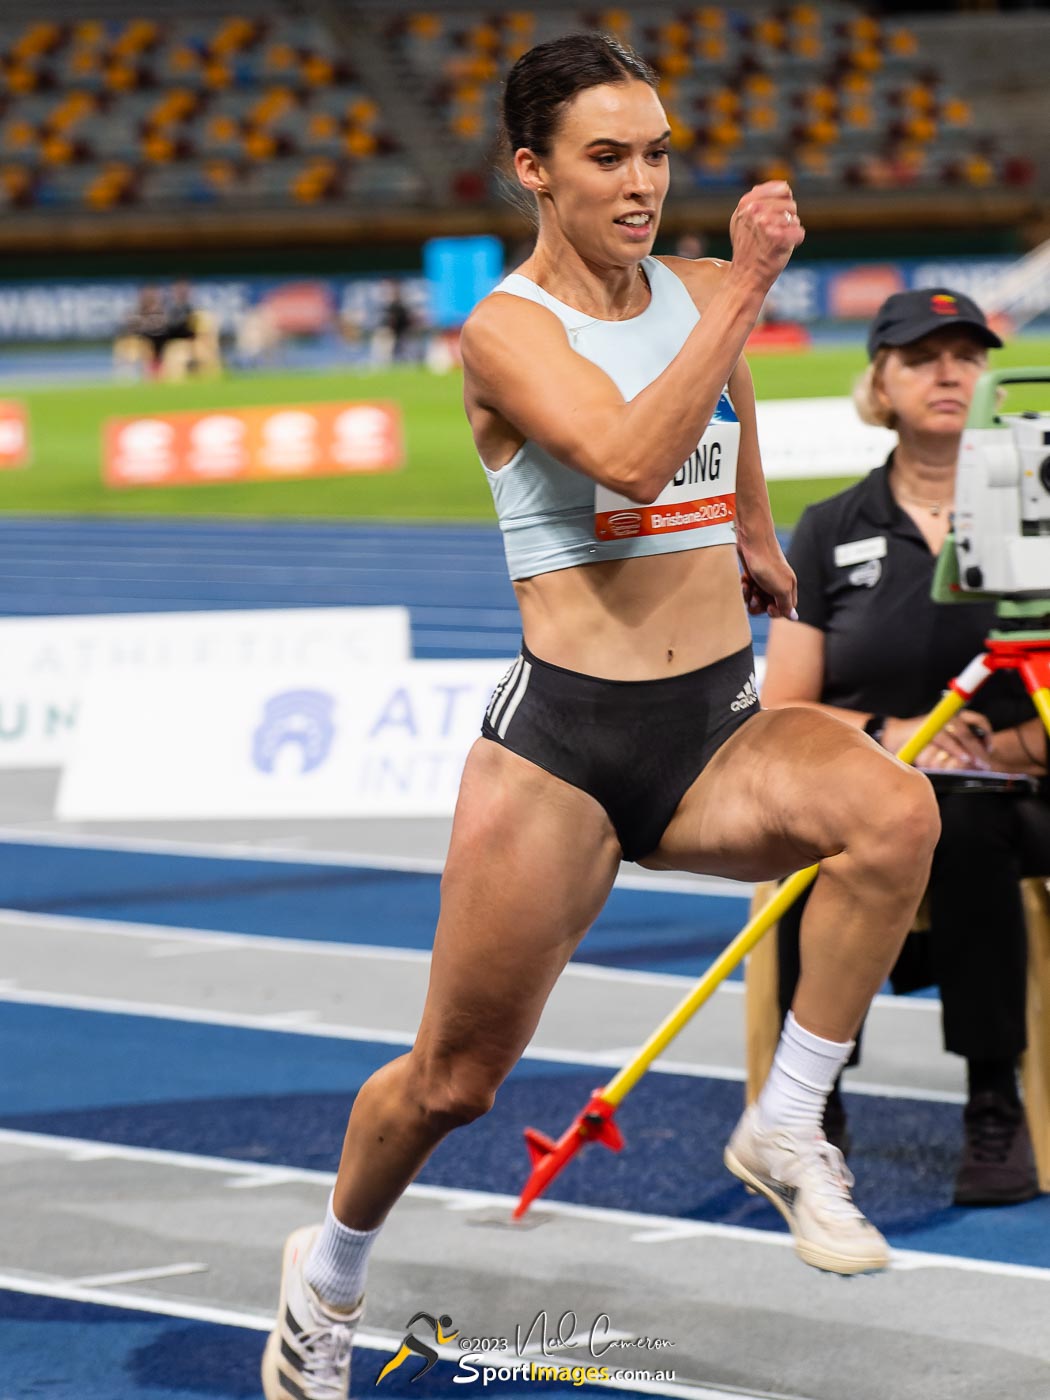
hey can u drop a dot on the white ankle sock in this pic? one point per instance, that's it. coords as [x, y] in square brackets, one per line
[805, 1068]
[338, 1262]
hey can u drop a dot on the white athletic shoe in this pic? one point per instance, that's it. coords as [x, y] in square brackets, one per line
[808, 1181]
[307, 1356]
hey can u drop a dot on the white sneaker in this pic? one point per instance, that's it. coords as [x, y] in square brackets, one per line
[307, 1356]
[808, 1181]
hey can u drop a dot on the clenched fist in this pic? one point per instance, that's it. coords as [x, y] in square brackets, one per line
[766, 230]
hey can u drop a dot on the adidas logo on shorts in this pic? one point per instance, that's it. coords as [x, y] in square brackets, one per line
[748, 696]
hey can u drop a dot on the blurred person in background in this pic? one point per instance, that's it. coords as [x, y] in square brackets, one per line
[191, 344]
[873, 649]
[393, 331]
[140, 340]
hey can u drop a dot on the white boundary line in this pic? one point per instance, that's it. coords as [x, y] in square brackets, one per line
[352, 860]
[301, 1022]
[386, 1342]
[202, 938]
[657, 1227]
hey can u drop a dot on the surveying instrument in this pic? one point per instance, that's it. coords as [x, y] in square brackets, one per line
[998, 551]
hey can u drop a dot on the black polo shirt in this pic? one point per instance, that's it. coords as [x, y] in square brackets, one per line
[864, 576]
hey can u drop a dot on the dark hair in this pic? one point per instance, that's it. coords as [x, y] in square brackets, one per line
[548, 77]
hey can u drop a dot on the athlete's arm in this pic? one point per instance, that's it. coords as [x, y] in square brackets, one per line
[795, 660]
[521, 365]
[768, 580]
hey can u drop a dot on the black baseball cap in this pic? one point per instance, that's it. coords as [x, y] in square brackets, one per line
[908, 316]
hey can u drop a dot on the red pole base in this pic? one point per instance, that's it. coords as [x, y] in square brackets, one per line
[594, 1124]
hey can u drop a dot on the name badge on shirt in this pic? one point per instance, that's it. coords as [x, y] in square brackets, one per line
[702, 492]
[860, 551]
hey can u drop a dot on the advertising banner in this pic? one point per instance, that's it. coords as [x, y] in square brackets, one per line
[252, 444]
[14, 434]
[371, 741]
[818, 437]
[49, 662]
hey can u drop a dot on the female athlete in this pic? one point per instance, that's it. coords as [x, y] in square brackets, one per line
[615, 419]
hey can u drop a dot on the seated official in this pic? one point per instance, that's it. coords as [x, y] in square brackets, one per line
[872, 648]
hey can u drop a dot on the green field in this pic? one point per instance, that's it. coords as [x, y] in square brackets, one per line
[441, 479]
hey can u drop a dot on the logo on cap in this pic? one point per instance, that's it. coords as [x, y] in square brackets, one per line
[944, 305]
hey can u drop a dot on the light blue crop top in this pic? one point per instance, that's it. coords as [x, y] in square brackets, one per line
[546, 510]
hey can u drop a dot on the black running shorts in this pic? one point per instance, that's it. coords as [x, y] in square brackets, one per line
[635, 746]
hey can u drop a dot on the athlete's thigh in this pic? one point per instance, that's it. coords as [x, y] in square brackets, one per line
[531, 862]
[780, 794]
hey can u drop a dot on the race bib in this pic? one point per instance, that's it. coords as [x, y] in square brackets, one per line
[702, 492]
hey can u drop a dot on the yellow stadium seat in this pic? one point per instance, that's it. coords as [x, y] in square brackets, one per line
[978, 171]
[725, 133]
[280, 57]
[902, 43]
[712, 48]
[759, 85]
[675, 65]
[318, 71]
[88, 32]
[710, 17]
[724, 100]
[467, 124]
[219, 173]
[424, 26]
[158, 149]
[217, 76]
[20, 136]
[184, 60]
[22, 80]
[865, 28]
[867, 59]
[322, 125]
[956, 112]
[16, 180]
[920, 128]
[683, 137]
[361, 144]
[674, 34]
[260, 145]
[775, 168]
[363, 111]
[120, 78]
[764, 119]
[808, 46]
[56, 150]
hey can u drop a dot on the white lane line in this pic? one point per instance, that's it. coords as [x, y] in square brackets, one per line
[387, 1342]
[351, 860]
[458, 1199]
[216, 939]
[304, 1022]
[137, 1275]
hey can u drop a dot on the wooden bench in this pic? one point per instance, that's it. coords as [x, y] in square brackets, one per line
[762, 1011]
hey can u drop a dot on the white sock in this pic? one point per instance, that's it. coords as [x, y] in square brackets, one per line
[804, 1071]
[338, 1262]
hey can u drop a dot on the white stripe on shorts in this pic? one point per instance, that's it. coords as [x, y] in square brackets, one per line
[516, 699]
[504, 690]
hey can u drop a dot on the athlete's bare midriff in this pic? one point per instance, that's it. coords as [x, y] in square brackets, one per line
[637, 619]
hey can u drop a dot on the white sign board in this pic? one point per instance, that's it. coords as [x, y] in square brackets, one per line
[47, 662]
[384, 740]
[802, 438]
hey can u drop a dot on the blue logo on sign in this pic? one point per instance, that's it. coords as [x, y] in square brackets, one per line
[301, 718]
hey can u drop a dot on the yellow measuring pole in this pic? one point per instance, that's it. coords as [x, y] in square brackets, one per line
[1041, 701]
[753, 931]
